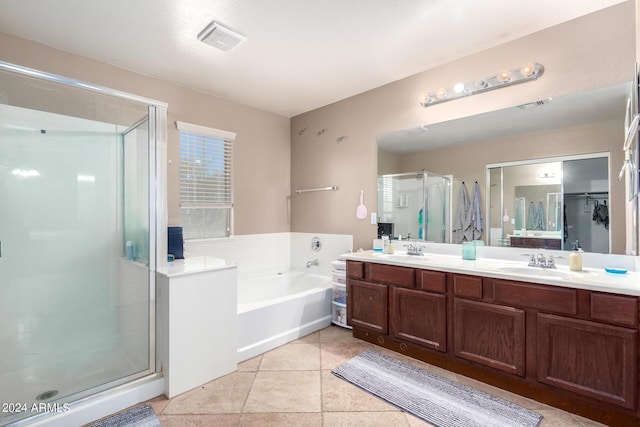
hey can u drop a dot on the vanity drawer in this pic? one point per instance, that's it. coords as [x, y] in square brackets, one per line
[355, 270]
[616, 309]
[392, 275]
[467, 286]
[432, 281]
[540, 297]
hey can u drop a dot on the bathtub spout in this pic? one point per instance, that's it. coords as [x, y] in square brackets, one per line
[315, 262]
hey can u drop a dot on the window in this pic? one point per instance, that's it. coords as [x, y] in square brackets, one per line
[206, 198]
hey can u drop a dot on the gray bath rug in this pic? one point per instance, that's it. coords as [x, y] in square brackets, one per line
[140, 416]
[437, 400]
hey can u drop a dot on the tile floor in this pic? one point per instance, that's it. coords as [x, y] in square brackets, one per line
[293, 386]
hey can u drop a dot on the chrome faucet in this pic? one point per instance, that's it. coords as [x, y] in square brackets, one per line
[541, 261]
[315, 262]
[415, 249]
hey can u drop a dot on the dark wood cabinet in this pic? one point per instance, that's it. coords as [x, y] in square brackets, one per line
[367, 306]
[489, 334]
[392, 275]
[616, 309]
[573, 348]
[588, 358]
[355, 269]
[419, 317]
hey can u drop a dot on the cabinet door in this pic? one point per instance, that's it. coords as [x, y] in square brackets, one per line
[419, 317]
[489, 334]
[588, 358]
[367, 306]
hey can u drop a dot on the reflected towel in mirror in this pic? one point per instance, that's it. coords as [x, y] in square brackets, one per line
[474, 224]
[460, 216]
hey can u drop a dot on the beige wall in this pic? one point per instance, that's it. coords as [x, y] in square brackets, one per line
[592, 51]
[261, 151]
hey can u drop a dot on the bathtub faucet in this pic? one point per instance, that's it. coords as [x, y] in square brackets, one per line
[315, 262]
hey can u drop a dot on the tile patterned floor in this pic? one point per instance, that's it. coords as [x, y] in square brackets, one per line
[293, 386]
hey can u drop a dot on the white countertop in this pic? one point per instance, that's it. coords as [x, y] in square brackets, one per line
[197, 264]
[596, 279]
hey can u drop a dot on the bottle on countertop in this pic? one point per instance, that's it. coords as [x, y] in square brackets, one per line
[390, 248]
[575, 257]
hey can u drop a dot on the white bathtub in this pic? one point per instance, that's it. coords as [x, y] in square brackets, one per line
[274, 310]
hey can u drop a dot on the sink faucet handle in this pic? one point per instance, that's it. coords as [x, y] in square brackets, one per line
[550, 260]
[532, 259]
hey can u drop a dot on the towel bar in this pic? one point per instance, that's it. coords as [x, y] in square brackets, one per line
[332, 188]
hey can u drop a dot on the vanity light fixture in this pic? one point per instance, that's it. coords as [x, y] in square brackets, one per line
[525, 73]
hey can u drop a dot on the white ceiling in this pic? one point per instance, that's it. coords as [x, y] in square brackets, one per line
[299, 54]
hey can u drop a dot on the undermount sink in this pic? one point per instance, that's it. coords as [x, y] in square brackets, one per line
[401, 257]
[535, 271]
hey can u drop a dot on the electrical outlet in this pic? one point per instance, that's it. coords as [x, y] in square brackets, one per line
[374, 218]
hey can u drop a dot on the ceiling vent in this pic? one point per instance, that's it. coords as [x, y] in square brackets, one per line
[533, 104]
[220, 36]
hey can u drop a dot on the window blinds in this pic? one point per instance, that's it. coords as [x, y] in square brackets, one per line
[205, 167]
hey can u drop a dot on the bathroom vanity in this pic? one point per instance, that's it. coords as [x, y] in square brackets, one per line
[568, 340]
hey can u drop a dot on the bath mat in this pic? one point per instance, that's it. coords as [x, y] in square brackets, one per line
[435, 399]
[140, 416]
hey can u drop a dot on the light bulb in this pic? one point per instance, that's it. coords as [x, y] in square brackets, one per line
[504, 76]
[458, 88]
[528, 70]
[442, 93]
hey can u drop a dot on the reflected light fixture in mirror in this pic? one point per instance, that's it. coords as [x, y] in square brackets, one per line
[526, 73]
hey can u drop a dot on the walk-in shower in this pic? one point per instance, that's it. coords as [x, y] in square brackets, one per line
[415, 205]
[78, 182]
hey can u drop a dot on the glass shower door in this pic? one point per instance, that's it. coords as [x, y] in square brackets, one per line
[74, 310]
[437, 207]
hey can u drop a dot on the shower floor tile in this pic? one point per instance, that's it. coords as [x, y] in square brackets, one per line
[24, 378]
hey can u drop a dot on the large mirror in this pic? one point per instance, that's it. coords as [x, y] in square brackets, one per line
[550, 203]
[589, 124]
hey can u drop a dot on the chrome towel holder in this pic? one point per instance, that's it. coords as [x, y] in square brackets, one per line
[331, 188]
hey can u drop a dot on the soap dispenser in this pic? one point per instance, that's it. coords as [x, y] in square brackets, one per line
[575, 258]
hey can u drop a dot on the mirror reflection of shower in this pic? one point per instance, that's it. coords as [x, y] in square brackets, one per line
[415, 205]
